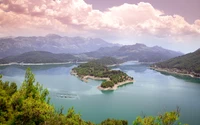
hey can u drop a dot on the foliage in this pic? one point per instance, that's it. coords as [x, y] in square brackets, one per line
[30, 105]
[107, 84]
[98, 69]
[114, 122]
[189, 62]
[168, 118]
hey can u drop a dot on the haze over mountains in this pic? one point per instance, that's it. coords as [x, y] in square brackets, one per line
[137, 52]
[48, 49]
[51, 43]
[39, 57]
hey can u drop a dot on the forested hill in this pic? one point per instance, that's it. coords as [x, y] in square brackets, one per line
[48, 57]
[108, 61]
[39, 57]
[189, 63]
[98, 69]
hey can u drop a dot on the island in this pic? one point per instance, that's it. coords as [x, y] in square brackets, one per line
[188, 64]
[97, 70]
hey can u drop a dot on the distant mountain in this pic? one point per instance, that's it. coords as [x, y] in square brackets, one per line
[139, 52]
[39, 57]
[186, 64]
[108, 61]
[104, 51]
[51, 43]
[48, 57]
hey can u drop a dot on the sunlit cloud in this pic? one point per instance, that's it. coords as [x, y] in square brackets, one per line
[77, 17]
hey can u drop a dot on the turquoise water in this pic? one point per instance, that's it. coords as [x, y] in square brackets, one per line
[151, 93]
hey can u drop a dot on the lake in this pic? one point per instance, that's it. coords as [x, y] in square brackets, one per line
[151, 93]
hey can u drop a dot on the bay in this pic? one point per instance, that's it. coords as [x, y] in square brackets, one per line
[151, 93]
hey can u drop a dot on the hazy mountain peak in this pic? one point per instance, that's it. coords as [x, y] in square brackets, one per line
[157, 48]
[198, 51]
[53, 36]
[136, 52]
[51, 43]
[135, 47]
[140, 45]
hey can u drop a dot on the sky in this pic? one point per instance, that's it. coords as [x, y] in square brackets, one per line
[172, 24]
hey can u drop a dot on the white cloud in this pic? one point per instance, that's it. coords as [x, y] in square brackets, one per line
[76, 16]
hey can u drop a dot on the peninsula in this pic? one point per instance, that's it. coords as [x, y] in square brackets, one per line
[188, 64]
[97, 70]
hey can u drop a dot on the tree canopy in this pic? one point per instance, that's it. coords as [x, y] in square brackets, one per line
[98, 69]
[189, 62]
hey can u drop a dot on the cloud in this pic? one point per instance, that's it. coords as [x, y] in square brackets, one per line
[144, 19]
[77, 17]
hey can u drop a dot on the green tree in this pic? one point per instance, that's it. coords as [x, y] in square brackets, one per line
[114, 122]
[168, 118]
[29, 105]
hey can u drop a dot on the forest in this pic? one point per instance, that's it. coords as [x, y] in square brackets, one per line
[96, 69]
[189, 62]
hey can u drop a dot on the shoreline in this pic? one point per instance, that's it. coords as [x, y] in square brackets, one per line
[115, 87]
[37, 64]
[176, 71]
[113, 65]
[85, 79]
[59, 63]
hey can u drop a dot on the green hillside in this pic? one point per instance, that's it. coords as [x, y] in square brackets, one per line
[189, 63]
[97, 68]
[108, 61]
[39, 57]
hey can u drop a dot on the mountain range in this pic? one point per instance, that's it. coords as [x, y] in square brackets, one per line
[48, 49]
[39, 57]
[51, 43]
[136, 52]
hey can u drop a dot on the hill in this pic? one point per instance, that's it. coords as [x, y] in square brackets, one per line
[47, 57]
[39, 57]
[108, 61]
[188, 64]
[137, 52]
[96, 69]
[51, 43]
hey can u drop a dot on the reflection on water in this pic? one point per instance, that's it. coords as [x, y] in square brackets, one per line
[17, 70]
[107, 92]
[186, 78]
[137, 68]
